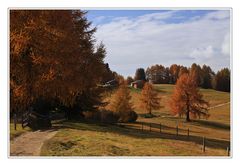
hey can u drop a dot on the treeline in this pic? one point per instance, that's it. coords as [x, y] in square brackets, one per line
[205, 76]
[55, 63]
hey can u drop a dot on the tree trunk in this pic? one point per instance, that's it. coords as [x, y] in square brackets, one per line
[150, 112]
[188, 116]
[188, 110]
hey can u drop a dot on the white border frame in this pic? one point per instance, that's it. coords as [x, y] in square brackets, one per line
[123, 8]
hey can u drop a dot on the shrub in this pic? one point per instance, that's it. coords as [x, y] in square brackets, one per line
[127, 116]
[39, 116]
[104, 116]
[36, 122]
[107, 116]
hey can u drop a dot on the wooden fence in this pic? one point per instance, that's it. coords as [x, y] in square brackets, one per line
[177, 131]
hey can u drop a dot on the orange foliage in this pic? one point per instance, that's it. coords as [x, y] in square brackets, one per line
[149, 98]
[187, 100]
[122, 99]
[52, 55]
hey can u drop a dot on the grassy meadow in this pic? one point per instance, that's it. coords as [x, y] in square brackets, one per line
[88, 139]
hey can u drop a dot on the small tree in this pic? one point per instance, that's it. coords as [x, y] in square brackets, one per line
[187, 99]
[122, 105]
[149, 98]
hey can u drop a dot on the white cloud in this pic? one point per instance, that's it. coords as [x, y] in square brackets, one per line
[148, 39]
[206, 52]
[99, 19]
[222, 14]
[226, 45]
[156, 16]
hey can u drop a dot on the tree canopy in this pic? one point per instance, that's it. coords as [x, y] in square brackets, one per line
[149, 98]
[52, 55]
[187, 100]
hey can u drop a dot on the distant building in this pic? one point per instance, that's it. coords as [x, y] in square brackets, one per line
[112, 83]
[138, 84]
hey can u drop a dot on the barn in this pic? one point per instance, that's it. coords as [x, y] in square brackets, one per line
[138, 84]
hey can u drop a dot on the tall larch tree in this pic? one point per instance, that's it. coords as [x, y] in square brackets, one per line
[187, 100]
[52, 56]
[149, 98]
[174, 72]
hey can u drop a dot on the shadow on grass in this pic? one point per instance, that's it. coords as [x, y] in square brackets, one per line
[138, 133]
[196, 122]
[211, 124]
[161, 91]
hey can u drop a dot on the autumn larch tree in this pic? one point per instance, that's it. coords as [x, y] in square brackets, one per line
[122, 103]
[187, 100]
[53, 56]
[149, 98]
[182, 71]
[174, 72]
[108, 74]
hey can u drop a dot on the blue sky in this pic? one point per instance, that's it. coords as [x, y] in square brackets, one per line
[141, 38]
[104, 16]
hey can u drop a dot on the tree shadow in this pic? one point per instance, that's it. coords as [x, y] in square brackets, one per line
[138, 133]
[211, 124]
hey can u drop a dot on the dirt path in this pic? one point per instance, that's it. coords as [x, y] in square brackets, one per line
[30, 143]
[219, 105]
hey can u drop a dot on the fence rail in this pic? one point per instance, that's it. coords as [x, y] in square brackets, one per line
[177, 131]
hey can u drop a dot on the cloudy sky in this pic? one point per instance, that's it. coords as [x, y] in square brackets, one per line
[141, 38]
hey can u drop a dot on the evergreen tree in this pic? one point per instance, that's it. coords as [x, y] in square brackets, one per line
[222, 80]
[140, 74]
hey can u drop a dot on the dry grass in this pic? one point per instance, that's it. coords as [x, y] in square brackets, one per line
[83, 139]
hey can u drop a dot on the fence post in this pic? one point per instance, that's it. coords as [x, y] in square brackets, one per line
[177, 130]
[160, 127]
[228, 151]
[150, 127]
[203, 148]
[142, 126]
[188, 132]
